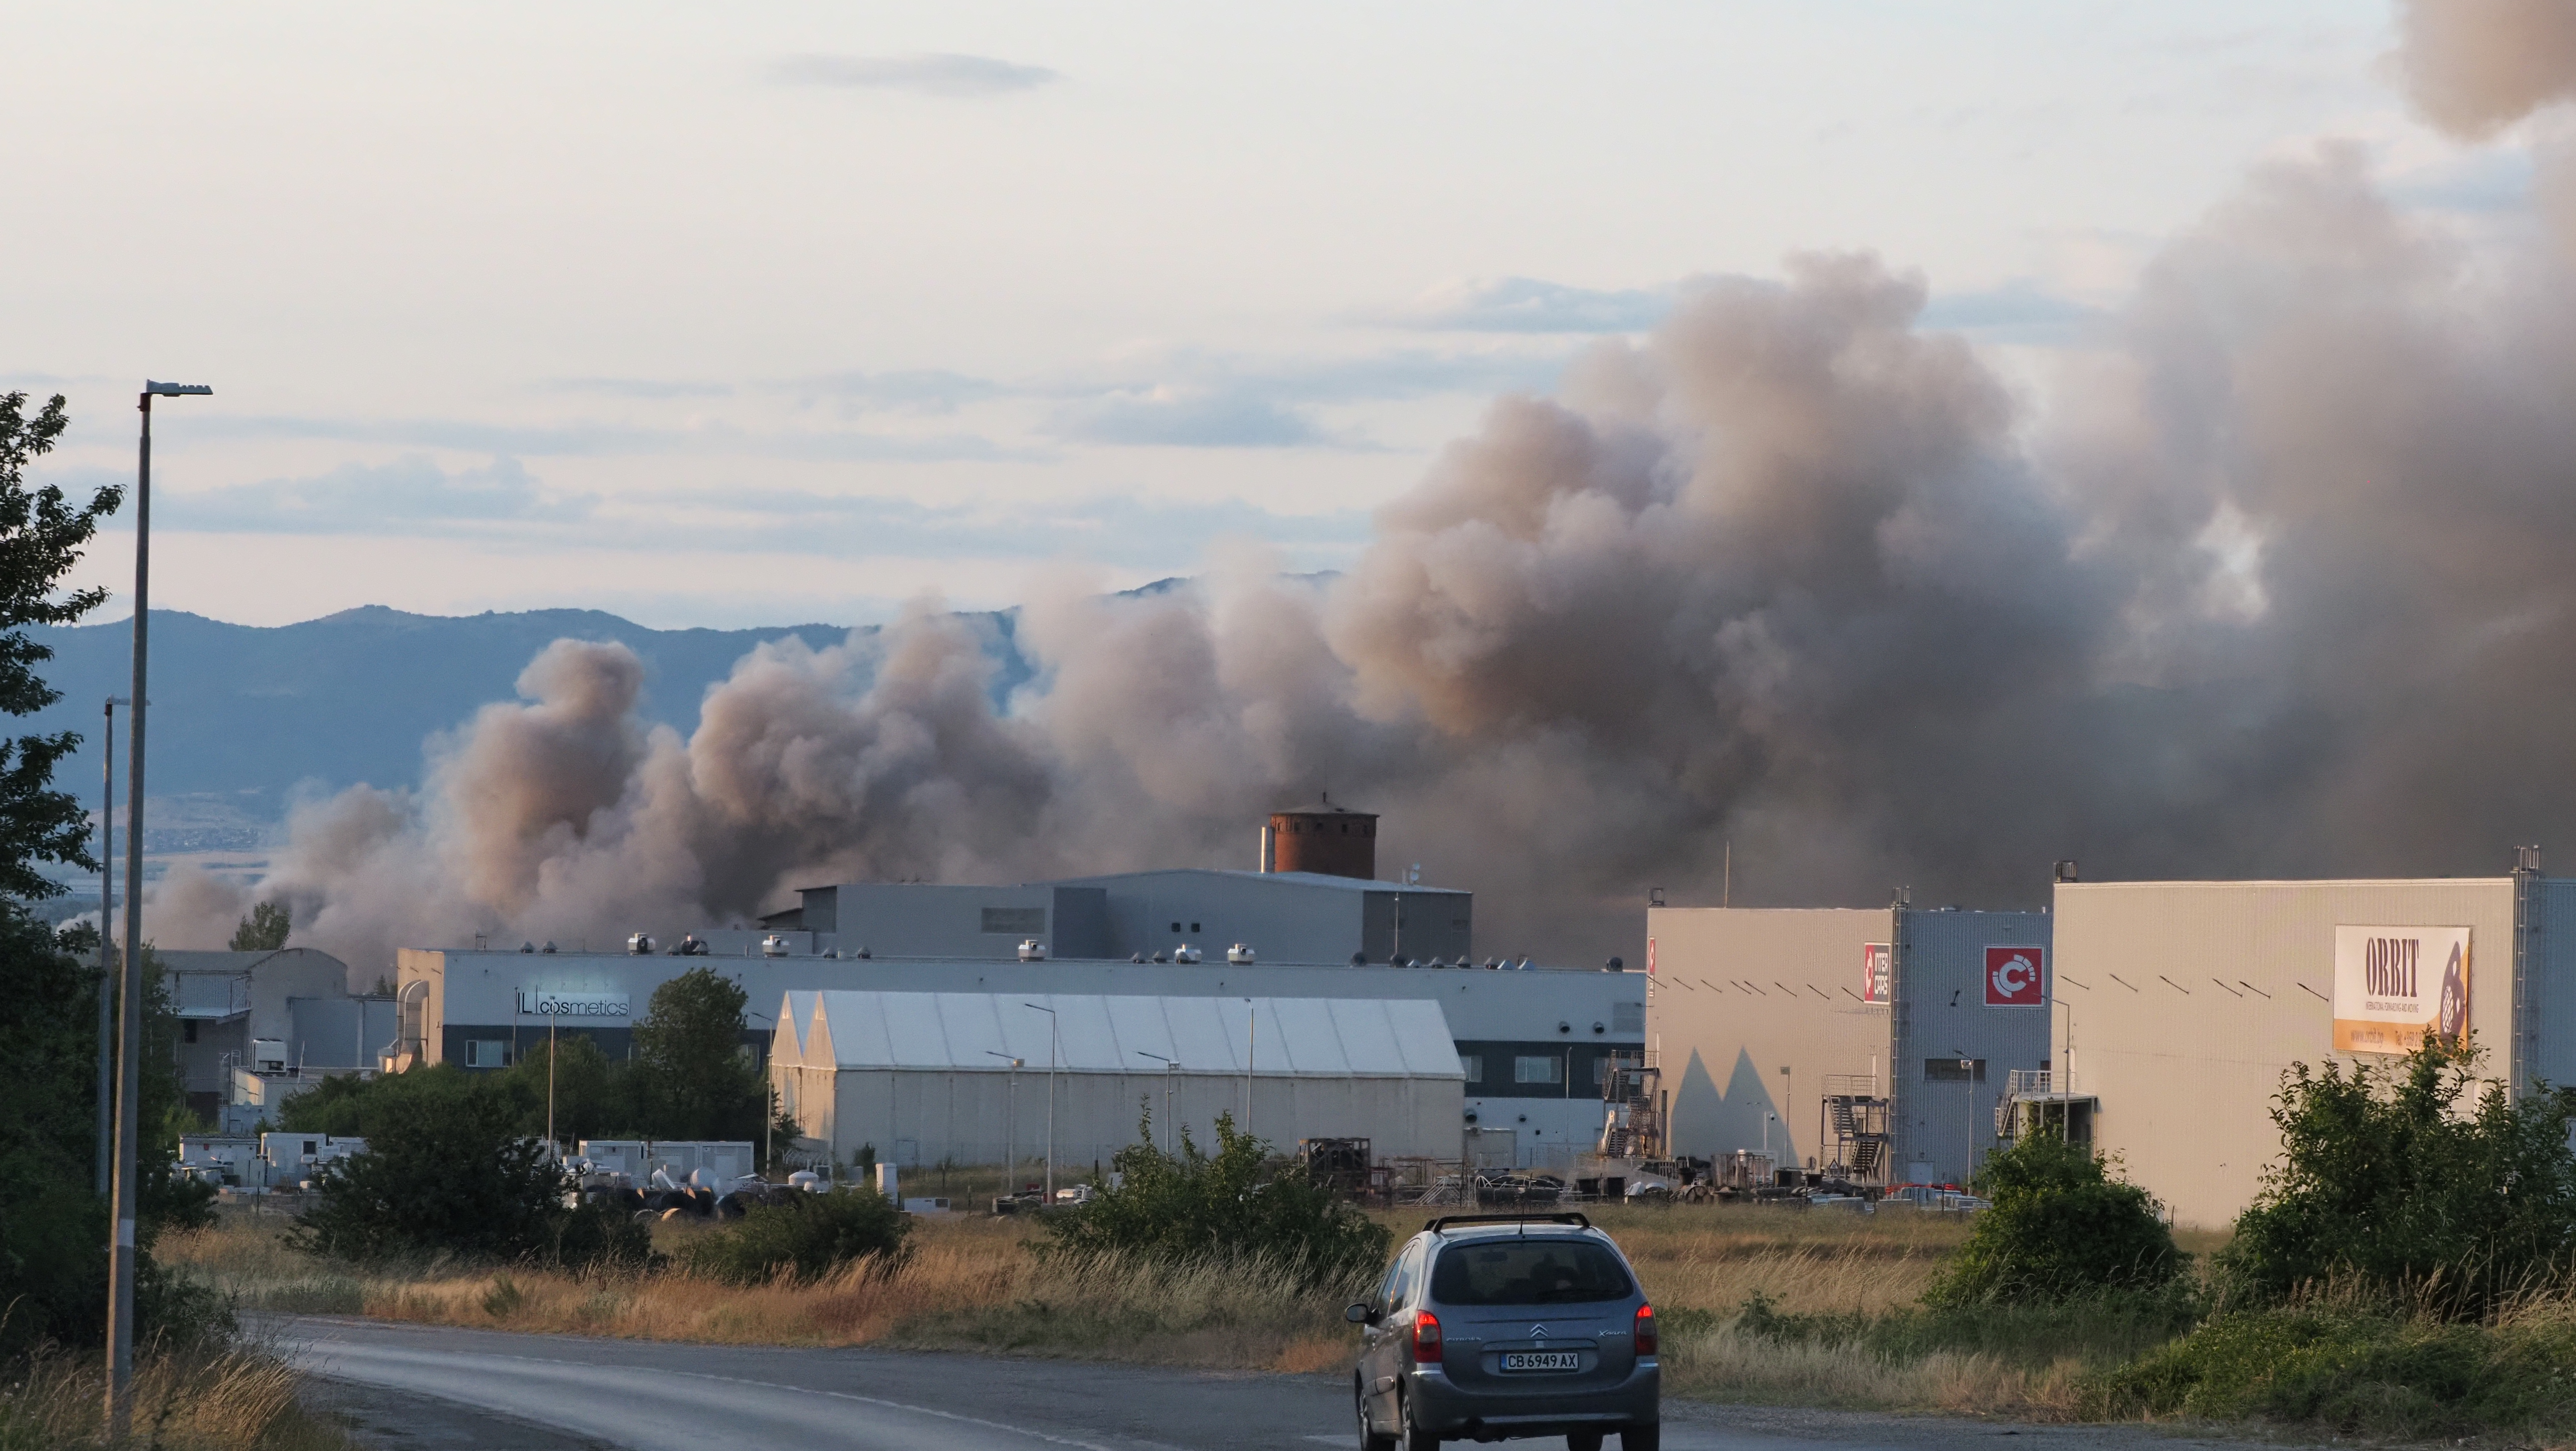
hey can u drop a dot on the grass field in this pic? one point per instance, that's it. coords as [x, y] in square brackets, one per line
[184, 1401]
[976, 1282]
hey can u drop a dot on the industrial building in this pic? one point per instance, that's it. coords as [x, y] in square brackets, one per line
[257, 1028]
[989, 1078]
[1535, 1043]
[1871, 1043]
[2182, 1004]
[1279, 916]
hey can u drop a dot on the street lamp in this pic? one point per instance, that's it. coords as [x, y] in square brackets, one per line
[106, 1158]
[1171, 1076]
[1010, 1133]
[1054, 1040]
[121, 1248]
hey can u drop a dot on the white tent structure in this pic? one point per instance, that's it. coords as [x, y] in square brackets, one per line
[928, 1077]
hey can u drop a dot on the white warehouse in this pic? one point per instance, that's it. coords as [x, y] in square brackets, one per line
[929, 1076]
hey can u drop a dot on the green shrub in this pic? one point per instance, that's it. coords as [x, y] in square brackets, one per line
[2366, 1371]
[443, 1174]
[1228, 1204]
[2060, 1226]
[2385, 1182]
[804, 1239]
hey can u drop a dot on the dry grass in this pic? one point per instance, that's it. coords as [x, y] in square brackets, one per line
[973, 1282]
[211, 1401]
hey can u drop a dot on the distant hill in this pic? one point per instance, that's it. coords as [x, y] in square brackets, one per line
[242, 713]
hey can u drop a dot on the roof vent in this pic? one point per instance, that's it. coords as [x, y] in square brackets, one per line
[772, 945]
[639, 944]
[1238, 956]
[527, 947]
[1188, 954]
[1032, 950]
[549, 947]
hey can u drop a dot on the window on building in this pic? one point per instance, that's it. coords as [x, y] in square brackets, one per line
[1474, 1063]
[1176, 926]
[487, 1052]
[1600, 1071]
[1194, 927]
[1954, 1070]
[1543, 1069]
[188, 1030]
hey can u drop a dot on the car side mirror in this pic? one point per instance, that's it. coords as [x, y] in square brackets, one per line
[1360, 1314]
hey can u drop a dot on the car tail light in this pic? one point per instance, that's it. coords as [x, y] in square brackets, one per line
[1645, 1339]
[1426, 1338]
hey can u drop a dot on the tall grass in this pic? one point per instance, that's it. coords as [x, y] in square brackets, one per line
[184, 1401]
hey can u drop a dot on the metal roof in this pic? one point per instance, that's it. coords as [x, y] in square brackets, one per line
[1283, 1037]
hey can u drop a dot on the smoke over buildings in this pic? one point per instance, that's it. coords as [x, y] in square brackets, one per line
[2268, 576]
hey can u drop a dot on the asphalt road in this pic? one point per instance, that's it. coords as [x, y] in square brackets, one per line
[413, 1385]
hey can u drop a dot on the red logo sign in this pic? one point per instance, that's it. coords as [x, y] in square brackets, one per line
[2016, 977]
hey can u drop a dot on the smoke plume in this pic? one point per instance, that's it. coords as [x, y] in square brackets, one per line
[2270, 577]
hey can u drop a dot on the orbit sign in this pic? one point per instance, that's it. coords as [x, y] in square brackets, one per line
[2016, 977]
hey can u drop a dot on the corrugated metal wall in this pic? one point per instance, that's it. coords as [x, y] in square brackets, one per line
[1945, 1125]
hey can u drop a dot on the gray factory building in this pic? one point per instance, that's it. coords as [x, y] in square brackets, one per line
[255, 1027]
[1534, 1043]
[1878, 1042]
[1280, 916]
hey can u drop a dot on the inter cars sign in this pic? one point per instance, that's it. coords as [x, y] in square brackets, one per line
[2016, 977]
[2395, 984]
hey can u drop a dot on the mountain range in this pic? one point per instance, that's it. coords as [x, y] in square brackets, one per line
[243, 715]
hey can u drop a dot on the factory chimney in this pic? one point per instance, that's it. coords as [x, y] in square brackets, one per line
[1331, 840]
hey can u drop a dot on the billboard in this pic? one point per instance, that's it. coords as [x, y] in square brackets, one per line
[2016, 977]
[2395, 984]
[1877, 973]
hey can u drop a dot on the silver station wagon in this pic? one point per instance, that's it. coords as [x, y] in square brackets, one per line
[1490, 1327]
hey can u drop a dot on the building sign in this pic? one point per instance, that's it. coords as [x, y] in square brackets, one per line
[1877, 973]
[1650, 957]
[547, 1003]
[2395, 984]
[2016, 977]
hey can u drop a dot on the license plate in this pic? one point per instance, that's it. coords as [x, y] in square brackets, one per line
[1541, 1360]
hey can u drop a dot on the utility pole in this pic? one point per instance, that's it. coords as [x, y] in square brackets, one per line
[1010, 1131]
[107, 955]
[1054, 1042]
[129, 1081]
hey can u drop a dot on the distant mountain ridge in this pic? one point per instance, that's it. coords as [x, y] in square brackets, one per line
[245, 712]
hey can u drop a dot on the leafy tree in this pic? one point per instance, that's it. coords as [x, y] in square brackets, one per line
[698, 1081]
[53, 1225]
[449, 1172]
[804, 1239]
[594, 1097]
[2060, 1226]
[2387, 1177]
[347, 1106]
[42, 536]
[1196, 1205]
[264, 930]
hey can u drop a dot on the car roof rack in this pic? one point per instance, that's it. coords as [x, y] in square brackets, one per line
[1564, 1216]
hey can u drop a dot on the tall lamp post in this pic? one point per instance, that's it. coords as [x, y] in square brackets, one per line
[129, 990]
[106, 1159]
[1171, 1076]
[1054, 1039]
[1010, 1130]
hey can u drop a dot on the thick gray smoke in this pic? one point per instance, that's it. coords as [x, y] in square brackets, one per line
[2272, 577]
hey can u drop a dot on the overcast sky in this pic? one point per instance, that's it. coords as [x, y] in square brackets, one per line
[734, 315]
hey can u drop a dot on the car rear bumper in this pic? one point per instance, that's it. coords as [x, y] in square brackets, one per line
[1452, 1412]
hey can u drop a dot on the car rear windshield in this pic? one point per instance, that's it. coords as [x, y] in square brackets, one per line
[1528, 1272]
